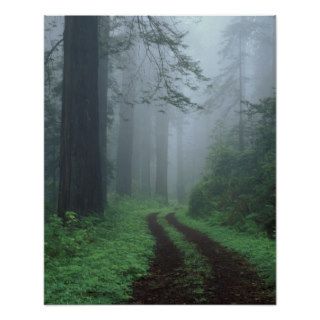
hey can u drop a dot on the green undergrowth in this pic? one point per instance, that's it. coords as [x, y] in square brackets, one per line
[257, 248]
[196, 268]
[95, 261]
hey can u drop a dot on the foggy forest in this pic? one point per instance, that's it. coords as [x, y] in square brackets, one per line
[160, 159]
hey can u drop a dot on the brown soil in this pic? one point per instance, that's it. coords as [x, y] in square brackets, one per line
[164, 284]
[234, 280]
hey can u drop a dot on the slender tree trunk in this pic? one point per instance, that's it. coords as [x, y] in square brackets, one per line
[125, 141]
[80, 188]
[274, 52]
[162, 133]
[241, 126]
[104, 28]
[180, 180]
[54, 175]
[146, 151]
[138, 132]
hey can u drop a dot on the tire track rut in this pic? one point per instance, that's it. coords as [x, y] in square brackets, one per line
[164, 284]
[234, 280]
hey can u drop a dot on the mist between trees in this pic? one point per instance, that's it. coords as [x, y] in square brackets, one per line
[174, 108]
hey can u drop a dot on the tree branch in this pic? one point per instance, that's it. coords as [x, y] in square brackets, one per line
[49, 53]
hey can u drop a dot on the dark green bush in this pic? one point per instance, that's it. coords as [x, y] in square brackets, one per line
[65, 240]
[198, 202]
[241, 184]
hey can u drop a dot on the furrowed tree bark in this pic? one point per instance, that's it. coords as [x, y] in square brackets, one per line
[162, 133]
[80, 187]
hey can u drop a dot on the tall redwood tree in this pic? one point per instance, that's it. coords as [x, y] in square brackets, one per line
[80, 188]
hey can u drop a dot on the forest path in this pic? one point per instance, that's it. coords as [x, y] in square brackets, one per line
[164, 284]
[234, 280]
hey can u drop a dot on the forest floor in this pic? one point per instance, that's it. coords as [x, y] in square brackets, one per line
[231, 280]
[132, 256]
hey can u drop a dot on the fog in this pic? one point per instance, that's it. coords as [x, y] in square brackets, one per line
[162, 116]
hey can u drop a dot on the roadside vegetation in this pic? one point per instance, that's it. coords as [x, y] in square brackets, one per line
[96, 260]
[239, 186]
[255, 246]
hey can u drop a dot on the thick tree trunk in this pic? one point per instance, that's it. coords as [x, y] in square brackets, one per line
[125, 142]
[80, 188]
[162, 133]
[180, 180]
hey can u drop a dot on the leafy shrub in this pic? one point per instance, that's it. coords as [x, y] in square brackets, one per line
[199, 204]
[242, 183]
[65, 240]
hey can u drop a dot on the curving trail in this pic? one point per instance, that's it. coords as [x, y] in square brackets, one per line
[164, 284]
[234, 280]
